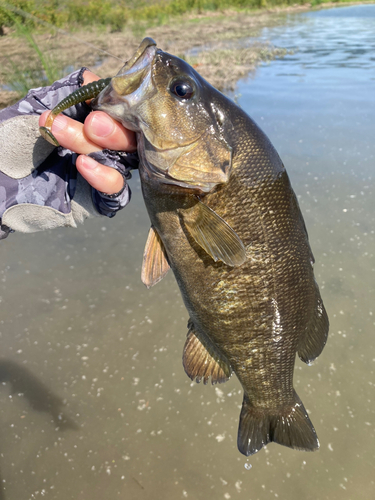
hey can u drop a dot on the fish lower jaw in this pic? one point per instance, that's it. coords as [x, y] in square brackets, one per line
[116, 111]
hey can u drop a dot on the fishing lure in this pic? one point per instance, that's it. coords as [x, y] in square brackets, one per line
[84, 93]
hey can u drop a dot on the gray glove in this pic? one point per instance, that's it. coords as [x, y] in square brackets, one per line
[40, 187]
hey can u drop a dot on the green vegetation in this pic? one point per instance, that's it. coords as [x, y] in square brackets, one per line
[44, 58]
[117, 13]
[42, 70]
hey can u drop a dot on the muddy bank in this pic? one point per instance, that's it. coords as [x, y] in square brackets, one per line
[212, 43]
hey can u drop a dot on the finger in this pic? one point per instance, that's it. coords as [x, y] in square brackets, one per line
[105, 179]
[70, 134]
[103, 130]
[89, 76]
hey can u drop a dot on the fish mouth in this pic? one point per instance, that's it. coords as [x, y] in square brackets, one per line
[133, 63]
[129, 87]
[131, 76]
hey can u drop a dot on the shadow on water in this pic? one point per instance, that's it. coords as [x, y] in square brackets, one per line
[37, 394]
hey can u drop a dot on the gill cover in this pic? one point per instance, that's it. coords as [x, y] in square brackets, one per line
[202, 164]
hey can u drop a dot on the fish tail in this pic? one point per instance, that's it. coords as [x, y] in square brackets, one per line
[288, 425]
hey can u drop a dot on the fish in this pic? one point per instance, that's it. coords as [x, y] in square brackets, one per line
[226, 220]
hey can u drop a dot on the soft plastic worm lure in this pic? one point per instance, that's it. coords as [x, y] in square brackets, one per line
[88, 91]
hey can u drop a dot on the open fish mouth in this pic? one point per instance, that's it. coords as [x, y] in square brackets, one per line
[129, 87]
[131, 76]
[140, 58]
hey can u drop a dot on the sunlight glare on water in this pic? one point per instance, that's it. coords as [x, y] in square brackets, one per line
[94, 399]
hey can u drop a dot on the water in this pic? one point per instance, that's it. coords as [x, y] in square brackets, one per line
[100, 406]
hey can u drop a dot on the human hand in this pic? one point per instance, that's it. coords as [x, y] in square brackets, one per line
[98, 132]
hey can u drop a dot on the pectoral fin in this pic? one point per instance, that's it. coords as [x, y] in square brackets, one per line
[214, 235]
[202, 359]
[155, 263]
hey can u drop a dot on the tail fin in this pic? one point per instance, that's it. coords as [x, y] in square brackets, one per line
[288, 425]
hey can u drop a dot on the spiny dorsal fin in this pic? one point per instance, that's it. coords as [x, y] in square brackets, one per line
[155, 264]
[214, 235]
[315, 337]
[204, 361]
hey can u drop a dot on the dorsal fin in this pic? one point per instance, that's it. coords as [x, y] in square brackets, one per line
[214, 235]
[155, 263]
[203, 360]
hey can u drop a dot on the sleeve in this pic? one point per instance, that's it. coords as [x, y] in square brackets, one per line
[109, 204]
[40, 187]
[43, 98]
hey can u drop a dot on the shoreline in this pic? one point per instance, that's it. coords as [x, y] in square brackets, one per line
[210, 42]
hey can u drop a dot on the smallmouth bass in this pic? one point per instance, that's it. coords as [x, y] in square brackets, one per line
[224, 217]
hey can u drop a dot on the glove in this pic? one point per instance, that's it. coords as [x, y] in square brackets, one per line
[40, 187]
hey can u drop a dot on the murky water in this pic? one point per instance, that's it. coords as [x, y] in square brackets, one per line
[94, 402]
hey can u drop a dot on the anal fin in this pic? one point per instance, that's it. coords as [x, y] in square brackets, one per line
[202, 359]
[155, 263]
[214, 235]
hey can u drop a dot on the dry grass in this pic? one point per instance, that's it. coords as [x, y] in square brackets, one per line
[214, 38]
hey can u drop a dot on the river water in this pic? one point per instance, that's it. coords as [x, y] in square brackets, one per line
[94, 402]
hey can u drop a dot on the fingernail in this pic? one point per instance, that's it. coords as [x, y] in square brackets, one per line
[59, 123]
[89, 163]
[102, 125]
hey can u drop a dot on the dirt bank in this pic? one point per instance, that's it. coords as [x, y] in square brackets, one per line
[210, 42]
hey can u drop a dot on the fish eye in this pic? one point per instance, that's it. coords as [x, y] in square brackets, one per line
[182, 89]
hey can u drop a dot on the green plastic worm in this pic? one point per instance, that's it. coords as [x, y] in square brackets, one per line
[88, 91]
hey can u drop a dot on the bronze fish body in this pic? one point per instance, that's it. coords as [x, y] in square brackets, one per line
[226, 220]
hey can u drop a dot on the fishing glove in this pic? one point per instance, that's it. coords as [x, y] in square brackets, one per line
[40, 187]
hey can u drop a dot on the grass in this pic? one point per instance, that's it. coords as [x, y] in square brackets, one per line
[40, 70]
[117, 13]
[177, 25]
